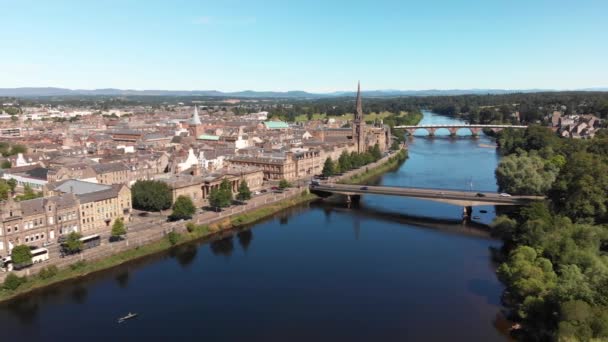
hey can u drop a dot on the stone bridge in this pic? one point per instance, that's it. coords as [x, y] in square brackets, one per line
[475, 129]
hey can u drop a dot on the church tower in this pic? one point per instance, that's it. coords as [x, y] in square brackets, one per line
[195, 124]
[359, 124]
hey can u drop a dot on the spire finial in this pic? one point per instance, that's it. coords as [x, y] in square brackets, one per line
[359, 108]
[195, 120]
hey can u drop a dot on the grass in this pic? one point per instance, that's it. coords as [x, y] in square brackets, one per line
[195, 232]
[258, 214]
[392, 163]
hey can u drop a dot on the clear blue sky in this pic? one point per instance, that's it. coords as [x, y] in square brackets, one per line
[311, 45]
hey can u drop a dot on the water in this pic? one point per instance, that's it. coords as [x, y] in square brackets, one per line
[319, 272]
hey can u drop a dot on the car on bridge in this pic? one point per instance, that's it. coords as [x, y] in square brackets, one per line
[363, 188]
[504, 194]
[479, 194]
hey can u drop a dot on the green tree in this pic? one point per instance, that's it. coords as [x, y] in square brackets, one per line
[28, 194]
[244, 192]
[73, 244]
[221, 197]
[118, 228]
[284, 184]
[530, 278]
[183, 209]
[524, 175]
[581, 188]
[12, 183]
[328, 168]
[6, 164]
[344, 161]
[16, 149]
[21, 255]
[375, 152]
[151, 195]
[5, 190]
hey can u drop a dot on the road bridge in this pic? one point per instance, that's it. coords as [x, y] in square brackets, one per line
[475, 129]
[466, 199]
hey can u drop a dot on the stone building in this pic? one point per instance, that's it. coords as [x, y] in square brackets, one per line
[38, 221]
[274, 167]
[199, 185]
[112, 173]
[99, 204]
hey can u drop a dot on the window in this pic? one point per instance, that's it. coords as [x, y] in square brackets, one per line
[16, 227]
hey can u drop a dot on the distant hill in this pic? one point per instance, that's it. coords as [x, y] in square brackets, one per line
[50, 91]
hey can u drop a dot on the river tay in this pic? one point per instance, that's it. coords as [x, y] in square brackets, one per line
[319, 272]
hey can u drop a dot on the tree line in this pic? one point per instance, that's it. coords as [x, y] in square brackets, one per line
[349, 161]
[555, 264]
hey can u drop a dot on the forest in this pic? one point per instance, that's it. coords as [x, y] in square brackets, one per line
[555, 265]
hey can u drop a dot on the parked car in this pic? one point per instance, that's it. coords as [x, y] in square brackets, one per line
[363, 188]
[504, 194]
[274, 188]
[264, 191]
[479, 194]
[256, 192]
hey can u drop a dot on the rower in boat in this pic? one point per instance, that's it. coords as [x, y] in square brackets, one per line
[127, 317]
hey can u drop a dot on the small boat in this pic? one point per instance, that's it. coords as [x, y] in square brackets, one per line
[127, 317]
[483, 211]
[476, 217]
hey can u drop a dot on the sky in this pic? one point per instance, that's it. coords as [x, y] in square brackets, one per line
[311, 45]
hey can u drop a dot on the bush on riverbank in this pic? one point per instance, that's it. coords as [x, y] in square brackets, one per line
[393, 162]
[13, 281]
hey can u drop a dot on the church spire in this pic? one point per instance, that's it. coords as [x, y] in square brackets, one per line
[195, 120]
[359, 110]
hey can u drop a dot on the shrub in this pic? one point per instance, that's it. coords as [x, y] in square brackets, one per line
[173, 238]
[48, 272]
[13, 281]
[190, 227]
[78, 265]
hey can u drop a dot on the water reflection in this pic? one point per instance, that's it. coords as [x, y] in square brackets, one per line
[122, 279]
[224, 246]
[79, 294]
[185, 254]
[245, 237]
[284, 220]
[25, 309]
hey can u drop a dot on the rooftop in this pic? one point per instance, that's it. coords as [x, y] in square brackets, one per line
[79, 187]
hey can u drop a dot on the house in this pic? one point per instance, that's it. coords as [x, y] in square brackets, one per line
[99, 204]
[38, 221]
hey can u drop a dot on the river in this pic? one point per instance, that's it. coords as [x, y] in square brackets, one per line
[378, 272]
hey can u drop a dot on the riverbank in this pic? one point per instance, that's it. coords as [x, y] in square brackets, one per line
[185, 235]
[191, 232]
[371, 172]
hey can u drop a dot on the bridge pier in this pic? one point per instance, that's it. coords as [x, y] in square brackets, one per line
[466, 213]
[431, 131]
[453, 131]
[353, 198]
[475, 131]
